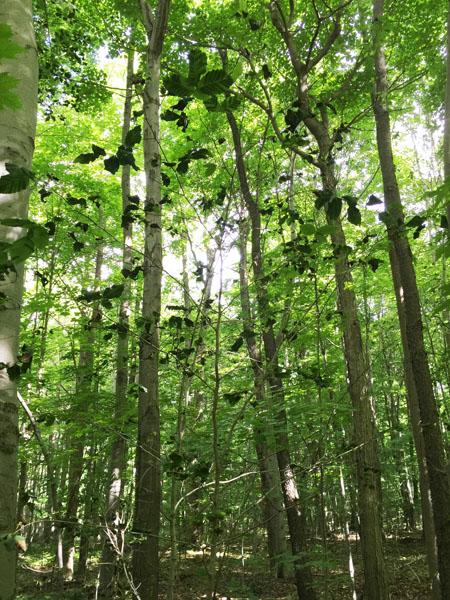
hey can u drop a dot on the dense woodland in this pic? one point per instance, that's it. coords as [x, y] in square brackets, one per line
[224, 306]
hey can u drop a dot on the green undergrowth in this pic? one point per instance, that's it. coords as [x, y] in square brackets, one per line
[242, 578]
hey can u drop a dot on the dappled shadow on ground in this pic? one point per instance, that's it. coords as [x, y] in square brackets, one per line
[245, 578]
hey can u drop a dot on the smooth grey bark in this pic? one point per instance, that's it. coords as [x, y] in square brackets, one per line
[145, 567]
[113, 518]
[409, 311]
[17, 133]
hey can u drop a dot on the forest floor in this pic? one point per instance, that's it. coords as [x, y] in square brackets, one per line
[242, 578]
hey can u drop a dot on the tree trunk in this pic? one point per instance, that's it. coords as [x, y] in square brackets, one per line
[303, 576]
[270, 481]
[77, 442]
[148, 473]
[408, 303]
[88, 529]
[117, 464]
[367, 464]
[17, 132]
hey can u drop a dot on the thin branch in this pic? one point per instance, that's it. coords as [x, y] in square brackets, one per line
[310, 64]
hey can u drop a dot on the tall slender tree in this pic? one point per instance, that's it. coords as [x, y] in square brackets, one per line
[117, 463]
[359, 387]
[296, 523]
[408, 304]
[148, 471]
[17, 133]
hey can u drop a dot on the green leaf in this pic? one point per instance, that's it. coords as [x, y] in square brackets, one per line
[215, 82]
[308, 229]
[39, 235]
[212, 104]
[237, 71]
[87, 296]
[113, 291]
[17, 179]
[232, 397]
[444, 305]
[98, 151]
[8, 99]
[267, 73]
[209, 169]
[351, 200]
[354, 215]
[327, 229]
[112, 164]
[71, 201]
[416, 221]
[170, 115]
[86, 158]
[443, 250]
[25, 223]
[133, 137]
[125, 157]
[333, 208]
[197, 65]
[230, 104]
[237, 344]
[21, 249]
[199, 153]
[8, 49]
[374, 263]
[183, 166]
[323, 196]
[177, 85]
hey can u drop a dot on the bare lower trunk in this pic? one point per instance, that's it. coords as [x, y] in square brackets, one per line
[270, 481]
[364, 434]
[77, 442]
[416, 426]
[88, 529]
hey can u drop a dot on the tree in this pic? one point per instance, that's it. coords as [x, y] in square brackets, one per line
[408, 305]
[148, 476]
[367, 464]
[113, 515]
[17, 131]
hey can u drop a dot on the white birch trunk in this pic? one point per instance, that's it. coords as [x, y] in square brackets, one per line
[17, 131]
